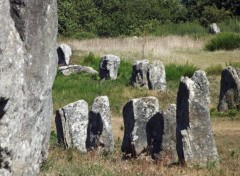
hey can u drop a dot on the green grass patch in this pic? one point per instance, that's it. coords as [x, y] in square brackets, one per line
[223, 41]
[233, 64]
[214, 69]
[233, 113]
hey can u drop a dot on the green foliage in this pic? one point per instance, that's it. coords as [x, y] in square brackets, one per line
[233, 113]
[233, 64]
[223, 41]
[231, 25]
[214, 69]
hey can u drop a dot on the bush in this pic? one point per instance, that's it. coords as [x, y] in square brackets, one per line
[224, 41]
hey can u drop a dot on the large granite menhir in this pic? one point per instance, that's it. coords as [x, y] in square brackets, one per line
[28, 61]
[230, 89]
[195, 140]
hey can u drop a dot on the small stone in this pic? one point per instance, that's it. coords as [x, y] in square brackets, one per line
[71, 123]
[214, 29]
[64, 52]
[108, 67]
[230, 89]
[195, 140]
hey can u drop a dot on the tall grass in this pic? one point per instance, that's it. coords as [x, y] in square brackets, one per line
[223, 41]
[231, 25]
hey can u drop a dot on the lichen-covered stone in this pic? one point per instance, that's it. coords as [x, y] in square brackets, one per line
[149, 75]
[100, 126]
[139, 74]
[27, 71]
[71, 122]
[230, 89]
[64, 52]
[156, 76]
[108, 67]
[74, 69]
[136, 114]
[195, 140]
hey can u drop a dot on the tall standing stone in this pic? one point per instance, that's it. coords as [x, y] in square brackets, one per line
[136, 114]
[71, 123]
[108, 67]
[27, 71]
[64, 52]
[230, 89]
[139, 74]
[156, 76]
[195, 140]
[214, 29]
[100, 126]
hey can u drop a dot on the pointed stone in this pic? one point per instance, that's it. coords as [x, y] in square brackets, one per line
[64, 52]
[195, 140]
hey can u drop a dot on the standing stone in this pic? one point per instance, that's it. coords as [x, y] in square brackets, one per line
[28, 31]
[156, 76]
[169, 153]
[230, 89]
[139, 74]
[195, 141]
[108, 68]
[214, 29]
[136, 114]
[100, 126]
[64, 52]
[71, 123]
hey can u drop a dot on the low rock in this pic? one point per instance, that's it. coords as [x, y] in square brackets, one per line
[100, 127]
[195, 140]
[74, 69]
[108, 67]
[64, 52]
[230, 89]
[136, 114]
[71, 123]
[214, 29]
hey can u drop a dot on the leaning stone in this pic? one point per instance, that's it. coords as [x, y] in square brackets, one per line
[139, 74]
[100, 126]
[28, 62]
[230, 89]
[74, 69]
[136, 114]
[108, 68]
[71, 123]
[214, 29]
[195, 140]
[64, 52]
[156, 76]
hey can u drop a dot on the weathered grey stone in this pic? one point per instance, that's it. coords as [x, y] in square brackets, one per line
[74, 69]
[168, 154]
[156, 76]
[230, 89]
[100, 126]
[149, 75]
[139, 74]
[214, 29]
[136, 114]
[195, 141]
[71, 122]
[64, 52]
[28, 61]
[108, 67]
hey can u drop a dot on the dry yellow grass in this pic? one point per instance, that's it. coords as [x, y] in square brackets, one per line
[168, 49]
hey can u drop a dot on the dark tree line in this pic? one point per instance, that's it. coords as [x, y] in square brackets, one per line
[124, 17]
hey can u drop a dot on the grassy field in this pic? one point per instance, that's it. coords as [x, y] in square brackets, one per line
[175, 53]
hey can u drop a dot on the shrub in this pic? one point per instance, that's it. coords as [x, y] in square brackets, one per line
[223, 41]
